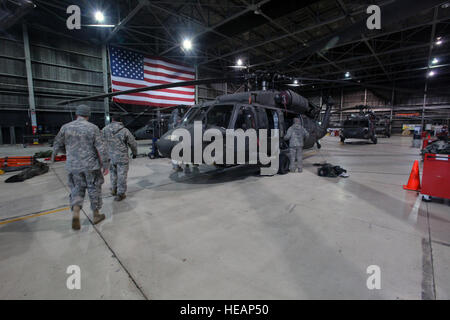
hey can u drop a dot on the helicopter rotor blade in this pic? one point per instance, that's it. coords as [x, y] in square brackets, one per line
[152, 88]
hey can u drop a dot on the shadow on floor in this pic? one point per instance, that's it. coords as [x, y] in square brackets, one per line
[220, 175]
[358, 143]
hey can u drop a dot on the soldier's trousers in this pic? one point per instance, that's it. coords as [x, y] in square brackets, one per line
[296, 153]
[91, 181]
[119, 175]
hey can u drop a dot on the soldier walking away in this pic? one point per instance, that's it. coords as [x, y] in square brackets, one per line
[118, 139]
[296, 135]
[86, 156]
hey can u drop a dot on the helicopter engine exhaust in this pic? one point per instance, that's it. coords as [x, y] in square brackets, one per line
[293, 101]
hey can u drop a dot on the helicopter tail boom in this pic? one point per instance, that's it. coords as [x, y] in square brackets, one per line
[326, 119]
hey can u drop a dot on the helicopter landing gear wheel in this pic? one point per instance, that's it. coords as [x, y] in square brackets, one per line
[318, 145]
[284, 164]
[374, 140]
[342, 139]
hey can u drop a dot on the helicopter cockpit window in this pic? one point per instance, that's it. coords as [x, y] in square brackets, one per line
[219, 116]
[351, 123]
[194, 114]
[271, 119]
[245, 119]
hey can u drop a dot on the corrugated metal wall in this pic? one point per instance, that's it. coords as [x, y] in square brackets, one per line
[403, 103]
[62, 68]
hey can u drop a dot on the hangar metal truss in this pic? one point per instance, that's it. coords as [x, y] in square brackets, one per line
[262, 32]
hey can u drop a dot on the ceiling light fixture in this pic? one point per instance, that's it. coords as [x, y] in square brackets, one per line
[187, 44]
[99, 16]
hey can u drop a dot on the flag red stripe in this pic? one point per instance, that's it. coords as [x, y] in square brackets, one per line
[167, 68]
[169, 61]
[154, 96]
[172, 76]
[145, 103]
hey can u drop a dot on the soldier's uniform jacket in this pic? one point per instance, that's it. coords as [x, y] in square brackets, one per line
[296, 135]
[84, 146]
[118, 139]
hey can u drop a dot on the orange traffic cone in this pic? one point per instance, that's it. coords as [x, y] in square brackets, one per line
[414, 178]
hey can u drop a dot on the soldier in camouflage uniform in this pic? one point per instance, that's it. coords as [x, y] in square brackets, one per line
[86, 155]
[296, 135]
[118, 139]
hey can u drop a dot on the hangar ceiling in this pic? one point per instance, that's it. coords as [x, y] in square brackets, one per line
[266, 32]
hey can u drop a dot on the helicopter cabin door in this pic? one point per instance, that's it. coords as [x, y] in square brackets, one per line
[246, 118]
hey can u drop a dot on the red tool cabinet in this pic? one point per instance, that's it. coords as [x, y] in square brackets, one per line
[436, 175]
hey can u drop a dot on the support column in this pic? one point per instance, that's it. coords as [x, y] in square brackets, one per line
[424, 103]
[392, 102]
[31, 100]
[105, 83]
[342, 104]
[365, 96]
[12, 135]
[1, 136]
[196, 87]
[392, 109]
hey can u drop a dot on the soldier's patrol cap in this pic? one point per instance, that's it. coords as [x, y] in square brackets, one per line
[83, 110]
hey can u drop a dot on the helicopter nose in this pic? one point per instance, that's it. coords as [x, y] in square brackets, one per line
[169, 140]
[165, 145]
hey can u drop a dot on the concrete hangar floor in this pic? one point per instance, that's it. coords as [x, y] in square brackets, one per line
[233, 234]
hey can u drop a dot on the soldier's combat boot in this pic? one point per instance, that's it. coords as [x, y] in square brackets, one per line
[98, 217]
[76, 217]
[113, 192]
[120, 197]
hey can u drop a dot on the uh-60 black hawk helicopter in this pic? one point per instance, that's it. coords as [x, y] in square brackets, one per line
[257, 109]
[360, 125]
[155, 128]
[266, 107]
[365, 125]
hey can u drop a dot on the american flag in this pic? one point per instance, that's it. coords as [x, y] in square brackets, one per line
[131, 70]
